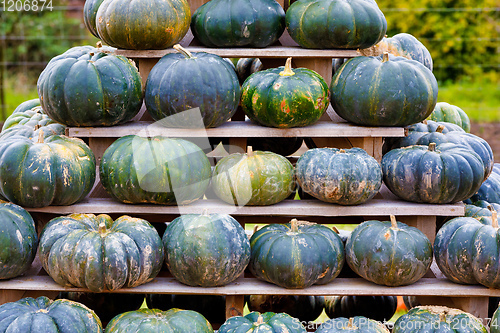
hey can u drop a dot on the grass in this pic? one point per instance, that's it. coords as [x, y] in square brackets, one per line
[17, 90]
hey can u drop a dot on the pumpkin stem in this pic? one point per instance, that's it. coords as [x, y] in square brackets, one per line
[205, 212]
[40, 137]
[440, 129]
[424, 121]
[249, 151]
[351, 323]
[182, 50]
[288, 68]
[494, 217]
[98, 44]
[385, 57]
[442, 316]
[342, 151]
[37, 127]
[432, 146]
[259, 321]
[294, 225]
[394, 223]
[102, 227]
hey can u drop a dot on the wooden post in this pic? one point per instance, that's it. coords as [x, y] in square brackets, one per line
[234, 305]
[477, 306]
[426, 224]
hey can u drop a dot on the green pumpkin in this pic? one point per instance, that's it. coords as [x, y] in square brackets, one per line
[495, 322]
[157, 170]
[246, 67]
[206, 250]
[345, 177]
[352, 325]
[142, 25]
[95, 252]
[44, 315]
[18, 240]
[89, 15]
[304, 308]
[171, 321]
[379, 308]
[480, 209]
[406, 45]
[388, 253]
[268, 322]
[383, 91]
[237, 23]
[296, 255]
[27, 105]
[490, 189]
[183, 81]
[467, 251]
[442, 174]
[335, 24]
[87, 86]
[56, 171]
[451, 114]
[256, 178]
[438, 319]
[282, 97]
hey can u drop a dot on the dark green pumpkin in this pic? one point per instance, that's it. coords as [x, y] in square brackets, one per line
[282, 97]
[451, 114]
[296, 255]
[237, 23]
[27, 105]
[212, 307]
[467, 251]
[95, 252]
[495, 321]
[480, 209]
[268, 322]
[87, 86]
[406, 45]
[335, 24]
[18, 240]
[304, 308]
[256, 178]
[388, 253]
[490, 189]
[44, 315]
[246, 67]
[383, 91]
[89, 15]
[56, 171]
[442, 174]
[157, 170]
[142, 25]
[352, 325]
[438, 319]
[206, 250]
[183, 81]
[345, 177]
[379, 308]
[172, 321]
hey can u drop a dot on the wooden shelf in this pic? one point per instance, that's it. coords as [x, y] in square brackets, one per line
[238, 129]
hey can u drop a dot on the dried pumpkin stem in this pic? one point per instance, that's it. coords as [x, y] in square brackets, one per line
[288, 68]
[442, 316]
[102, 227]
[494, 217]
[98, 44]
[440, 129]
[394, 223]
[259, 321]
[342, 151]
[385, 57]
[182, 50]
[351, 323]
[432, 146]
[40, 137]
[294, 225]
[249, 151]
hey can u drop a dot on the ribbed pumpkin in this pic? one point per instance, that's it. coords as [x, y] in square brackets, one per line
[184, 81]
[236, 23]
[44, 315]
[87, 86]
[296, 255]
[406, 45]
[171, 321]
[56, 171]
[352, 325]
[450, 114]
[388, 253]
[95, 252]
[480, 209]
[442, 174]
[268, 322]
[255, 178]
[206, 250]
[27, 105]
[335, 24]
[380, 308]
[89, 15]
[282, 97]
[490, 189]
[346, 177]
[438, 319]
[495, 321]
[383, 91]
[142, 25]
[304, 308]
[18, 240]
[467, 251]
[155, 170]
[246, 67]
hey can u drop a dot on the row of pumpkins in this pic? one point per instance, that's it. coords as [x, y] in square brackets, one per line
[67, 316]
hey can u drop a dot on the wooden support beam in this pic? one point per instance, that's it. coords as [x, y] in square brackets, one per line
[234, 305]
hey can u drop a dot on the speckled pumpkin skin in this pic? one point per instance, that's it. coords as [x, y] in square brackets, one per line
[147, 320]
[27, 105]
[271, 323]
[44, 315]
[430, 319]
[386, 255]
[347, 177]
[264, 178]
[358, 324]
[452, 114]
[311, 254]
[95, 252]
[59, 171]
[274, 100]
[206, 250]
[18, 240]
[89, 15]
[406, 45]
[142, 25]
[490, 189]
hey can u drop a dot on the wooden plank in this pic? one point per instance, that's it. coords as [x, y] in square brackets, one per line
[145, 65]
[243, 52]
[99, 146]
[374, 207]
[238, 129]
